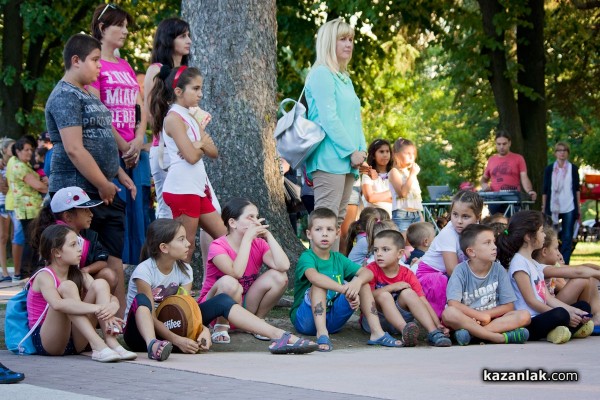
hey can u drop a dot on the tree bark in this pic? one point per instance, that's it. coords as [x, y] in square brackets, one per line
[11, 89]
[532, 108]
[235, 47]
[502, 86]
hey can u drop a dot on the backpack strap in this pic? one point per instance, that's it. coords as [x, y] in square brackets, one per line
[39, 321]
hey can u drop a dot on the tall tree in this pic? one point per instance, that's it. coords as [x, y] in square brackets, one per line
[235, 47]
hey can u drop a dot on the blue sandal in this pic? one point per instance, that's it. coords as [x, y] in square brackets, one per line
[324, 339]
[283, 345]
[386, 340]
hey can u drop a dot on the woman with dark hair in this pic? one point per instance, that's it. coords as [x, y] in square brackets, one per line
[27, 189]
[172, 43]
[171, 47]
[561, 197]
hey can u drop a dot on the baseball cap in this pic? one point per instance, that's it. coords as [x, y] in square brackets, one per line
[45, 136]
[71, 197]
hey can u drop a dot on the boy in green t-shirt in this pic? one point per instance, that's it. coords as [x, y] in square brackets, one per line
[329, 287]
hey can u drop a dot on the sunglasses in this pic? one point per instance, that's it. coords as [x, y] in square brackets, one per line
[106, 8]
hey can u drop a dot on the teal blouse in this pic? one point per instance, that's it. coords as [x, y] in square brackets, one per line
[333, 104]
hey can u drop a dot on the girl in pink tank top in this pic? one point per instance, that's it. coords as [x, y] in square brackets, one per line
[74, 299]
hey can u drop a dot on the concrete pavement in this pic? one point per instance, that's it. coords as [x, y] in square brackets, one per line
[348, 373]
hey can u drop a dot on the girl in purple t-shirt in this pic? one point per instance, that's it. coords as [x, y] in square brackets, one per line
[234, 263]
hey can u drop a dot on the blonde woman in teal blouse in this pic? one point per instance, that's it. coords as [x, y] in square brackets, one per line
[332, 102]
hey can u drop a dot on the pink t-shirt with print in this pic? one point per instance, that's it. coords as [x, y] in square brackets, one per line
[221, 246]
[119, 90]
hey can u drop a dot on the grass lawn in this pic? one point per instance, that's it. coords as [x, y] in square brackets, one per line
[586, 252]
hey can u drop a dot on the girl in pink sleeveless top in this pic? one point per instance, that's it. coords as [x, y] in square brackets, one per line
[73, 299]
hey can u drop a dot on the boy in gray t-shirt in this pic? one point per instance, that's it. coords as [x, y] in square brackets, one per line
[85, 151]
[480, 297]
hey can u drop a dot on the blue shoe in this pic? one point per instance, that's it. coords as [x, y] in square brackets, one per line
[463, 337]
[6, 278]
[17, 278]
[596, 331]
[8, 376]
[518, 336]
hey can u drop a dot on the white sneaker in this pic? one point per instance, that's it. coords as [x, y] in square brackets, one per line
[124, 353]
[105, 355]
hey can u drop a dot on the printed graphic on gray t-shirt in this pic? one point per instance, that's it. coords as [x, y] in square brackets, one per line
[69, 106]
[478, 293]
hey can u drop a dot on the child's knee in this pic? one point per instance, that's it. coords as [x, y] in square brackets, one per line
[382, 297]
[68, 289]
[451, 314]
[523, 317]
[109, 276]
[408, 294]
[229, 285]
[100, 285]
[279, 278]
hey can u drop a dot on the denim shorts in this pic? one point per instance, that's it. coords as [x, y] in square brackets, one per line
[403, 219]
[36, 338]
[3, 212]
[336, 317]
[385, 325]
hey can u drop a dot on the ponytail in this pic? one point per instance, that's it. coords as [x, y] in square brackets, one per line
[44, 219]
[163, 94]
[523, 223]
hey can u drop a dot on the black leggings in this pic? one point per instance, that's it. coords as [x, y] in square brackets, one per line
[218, 306]
[543, 323]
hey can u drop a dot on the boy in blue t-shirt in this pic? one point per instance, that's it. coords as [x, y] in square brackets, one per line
[329, 287]
[480, 297]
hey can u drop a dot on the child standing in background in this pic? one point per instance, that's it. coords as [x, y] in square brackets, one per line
[375, 184]
[445, 253]
[399, 296]
[480, 297]
[407, 206]
[186, 188]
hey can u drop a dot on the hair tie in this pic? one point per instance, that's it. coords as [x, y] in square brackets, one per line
[506, 232]
[165, 71]
[177, 75]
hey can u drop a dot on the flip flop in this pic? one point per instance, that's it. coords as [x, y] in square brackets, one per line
[324, 339]
[386, 340]
[283, 345]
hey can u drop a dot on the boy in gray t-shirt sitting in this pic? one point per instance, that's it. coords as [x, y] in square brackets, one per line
[480, 297]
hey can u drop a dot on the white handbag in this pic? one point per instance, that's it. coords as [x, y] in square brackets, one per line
[296, 136]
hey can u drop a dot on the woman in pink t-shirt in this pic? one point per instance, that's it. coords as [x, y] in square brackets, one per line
[235, 260]
[118, 89]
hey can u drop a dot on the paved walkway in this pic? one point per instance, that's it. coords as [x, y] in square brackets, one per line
[417, 373]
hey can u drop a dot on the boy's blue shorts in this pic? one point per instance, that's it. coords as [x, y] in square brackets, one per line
[336, 317]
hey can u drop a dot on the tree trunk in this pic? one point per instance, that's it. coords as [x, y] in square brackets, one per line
[11, 90]
[235, 48]
[532, 108]
[502, 86]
